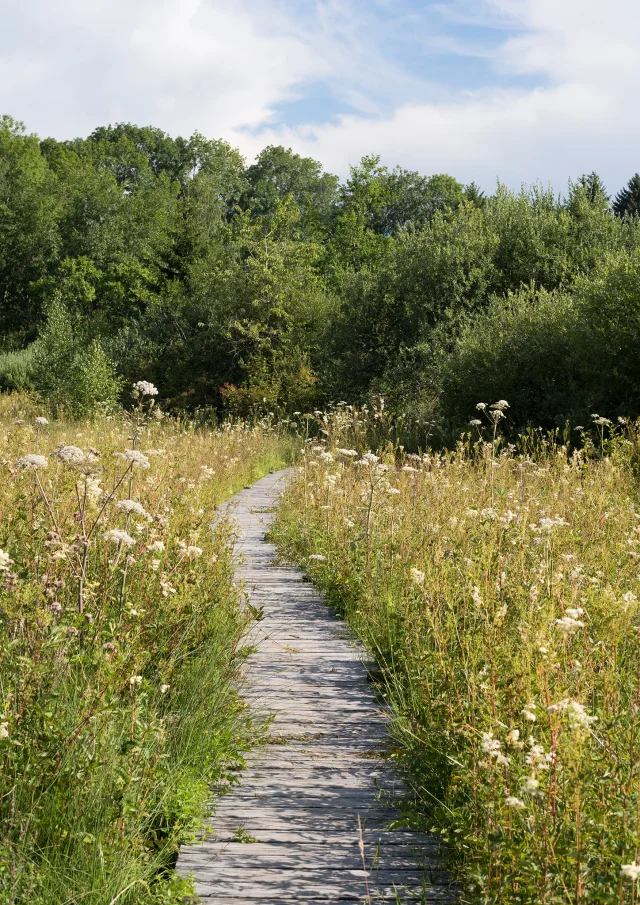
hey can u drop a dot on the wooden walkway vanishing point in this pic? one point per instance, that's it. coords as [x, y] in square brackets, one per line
[288, 831]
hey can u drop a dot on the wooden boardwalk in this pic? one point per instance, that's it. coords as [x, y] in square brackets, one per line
[288, 831]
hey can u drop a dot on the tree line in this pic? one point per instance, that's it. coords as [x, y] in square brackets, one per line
[274, 286]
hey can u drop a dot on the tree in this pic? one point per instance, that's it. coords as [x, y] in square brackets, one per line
[627, 201]
[593, 189]
[279, 172]
[29, 242]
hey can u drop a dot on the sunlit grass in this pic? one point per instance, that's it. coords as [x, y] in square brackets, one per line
[120, 640]
[498, 588]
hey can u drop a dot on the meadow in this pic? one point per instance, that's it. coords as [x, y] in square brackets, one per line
[120, 644]
[497, 585]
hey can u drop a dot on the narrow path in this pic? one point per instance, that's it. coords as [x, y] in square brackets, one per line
[298, 802]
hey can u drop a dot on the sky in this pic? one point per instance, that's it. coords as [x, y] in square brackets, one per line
[520, 90]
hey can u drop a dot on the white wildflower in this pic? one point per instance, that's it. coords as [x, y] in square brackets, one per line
[135, 457]
[475, 422]
[326, 457]
[530, 786]
[370, 458]
[41, 420]
[132, 507]
[167, 587]
[528, 713]
[489, 744]
[537, 757]
[501, 404]
[513, 738]
[579, 719]
[190, 551]
[155, 452]
[156, 547]
[116, 536]
[5, 561]
[568, 625]
[32, 462]
[476, 596]
[206, 473]
[317, 557]
[630, 871]
[481, 406]
[70, 455]
[4, 729]
[164, 689]
[393, 491]
[417, 576]
[347, 452]
[144, 388]
[135, 680]
[512, 802]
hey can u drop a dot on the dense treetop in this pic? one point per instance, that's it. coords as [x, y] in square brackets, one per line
[273, 285]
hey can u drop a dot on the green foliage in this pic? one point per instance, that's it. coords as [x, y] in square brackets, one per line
[16, 369]
[70, 372]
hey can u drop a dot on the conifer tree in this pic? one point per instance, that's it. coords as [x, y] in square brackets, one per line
[627, 201]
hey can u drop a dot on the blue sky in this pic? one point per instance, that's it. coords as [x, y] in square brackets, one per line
[523, 90]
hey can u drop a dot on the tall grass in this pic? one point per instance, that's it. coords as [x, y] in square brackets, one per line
[120, 640]
[498, 587]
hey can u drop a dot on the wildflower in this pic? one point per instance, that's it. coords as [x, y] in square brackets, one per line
[41, 420]
[32, 462]
[191, 551]
[326, 457]
[55, 607]
[481, 406]
[409, 468]
[164, 689]
[156, 547]
[109, 646]
[475, 422]
[417, 576]
[155, 564]
[135, 457]
[135, 680]
[488, 514]
[548, 524]
[512, 802]
[501, 404]
[528, 713]
[347, 452]
[144, 388]
[579, 719]
[370, 458]
[317, 557]
[4, 729]
[513, 738]
[568, 625]
[118, 537]
[393, 491]
[167, 587]
[5, 561]
[530, 786]
[155, 452]
[131, 507]
[70, 455]
[476, 596]
[206, 473]
[630, 871]
[90, 486]
[490, 745]
[536, 757]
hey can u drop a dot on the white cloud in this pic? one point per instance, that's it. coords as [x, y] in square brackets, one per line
[224, 67]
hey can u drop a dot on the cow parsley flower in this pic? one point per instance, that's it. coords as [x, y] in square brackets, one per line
[528, 712]
[41, 420]
[512, 802]
[32, 462]
[116, 536]
[5, 561]
[135, 457]
[156, 547]
[133, 507]
[70, 455]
